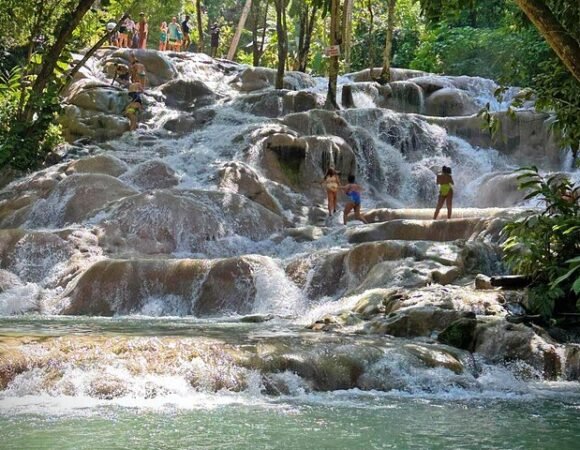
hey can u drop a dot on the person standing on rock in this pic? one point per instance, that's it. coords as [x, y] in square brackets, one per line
[126, 32]
[174, 31]
[113, 35]
[186, 29]
[331, 183]
[163, 37]
[352, 191]
[215, 39]
[143, 28]
[445, 182]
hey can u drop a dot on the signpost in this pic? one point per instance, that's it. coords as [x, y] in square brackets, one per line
[333, 50]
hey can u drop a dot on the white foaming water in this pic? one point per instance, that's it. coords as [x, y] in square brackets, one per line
[21, 299]
[275, 293]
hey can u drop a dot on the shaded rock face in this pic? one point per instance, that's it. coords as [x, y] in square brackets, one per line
[459, 334]
[228, 289]
[76, 199]
[187, 94]
[300, 162]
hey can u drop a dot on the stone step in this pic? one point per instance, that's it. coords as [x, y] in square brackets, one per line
[418, 230]
[387, 214]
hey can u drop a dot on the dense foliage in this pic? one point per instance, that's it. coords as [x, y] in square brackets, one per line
[545, 245]
[489, 38]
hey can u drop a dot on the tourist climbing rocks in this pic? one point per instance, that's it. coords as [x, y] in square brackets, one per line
[143, 29]
[174, 31]
[332, 183]
[185, 28]
[215, 39]
[122, 75]
[445, 182]
[138, 72]
[135, 105]
[163, 37]
[352, 191]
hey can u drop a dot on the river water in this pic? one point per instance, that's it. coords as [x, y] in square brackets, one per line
[502, 413]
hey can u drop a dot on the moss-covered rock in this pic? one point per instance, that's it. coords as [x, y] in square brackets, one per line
[459, 334]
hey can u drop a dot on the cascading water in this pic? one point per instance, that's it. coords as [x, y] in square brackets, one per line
[204, 237]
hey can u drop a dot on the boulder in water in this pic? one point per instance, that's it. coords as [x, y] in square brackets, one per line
[459, 333]
[450, 102]
[153, 287]
[103, 164]
[428, 230]
[242, 179]
[256, 78]
[77, 198]
[229, 287]
[154, 174]
[504, 342]
[160, 68]
[187, 94]
[165, 221]
[412, 322]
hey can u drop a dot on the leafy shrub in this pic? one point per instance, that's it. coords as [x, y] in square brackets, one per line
[545, 245]
[24, 143]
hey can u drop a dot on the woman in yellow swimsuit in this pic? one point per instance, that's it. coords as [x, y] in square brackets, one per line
[331, 183]
[445, 182]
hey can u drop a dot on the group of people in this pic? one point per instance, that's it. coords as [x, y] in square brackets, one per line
[332, 183]
[129, 34]
[175, 36]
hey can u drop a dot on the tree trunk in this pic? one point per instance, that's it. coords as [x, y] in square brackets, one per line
[91, 52]
[258, 41]
[347, 33]
[371, 38]
[563, 44]
[66, 28]
[199, 26]
[333, 63]
[241, 23]
[281, 31]
[386, 71]
[264, 30]
[304, 46]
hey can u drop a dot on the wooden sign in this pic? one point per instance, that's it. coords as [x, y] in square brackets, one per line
[333, 50]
